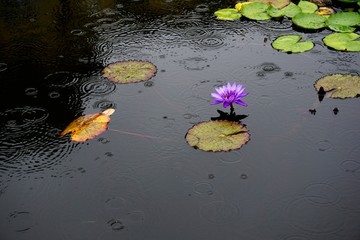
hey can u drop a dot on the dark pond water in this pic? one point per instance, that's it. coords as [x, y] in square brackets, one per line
[297, 178]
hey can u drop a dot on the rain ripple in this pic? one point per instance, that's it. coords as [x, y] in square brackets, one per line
[96, 86]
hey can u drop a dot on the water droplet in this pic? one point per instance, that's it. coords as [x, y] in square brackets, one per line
[351, 166]
[243, 176]
[212, 42]
[324, 146]
[116, 224]
[97, 87]
[3, 67]
[54, 94]
[211, 176]
[78, 32]
[148, 83]
[104, 104]
[31, 92]
[203, 187]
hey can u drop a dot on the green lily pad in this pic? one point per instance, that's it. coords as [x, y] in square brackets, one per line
[129, 71]
[291, 43]
[309, 20]
[215, 136]
[256, 11]
[227, 14]
[291, 10]
[274, 12]
[275, 3]
[307, 7]
[343, 41]
[340, 85]
[343, 21]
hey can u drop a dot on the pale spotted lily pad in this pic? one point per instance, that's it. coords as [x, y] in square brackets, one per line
[291, 43]
[129, 71]
[216, 136]
[340, 85]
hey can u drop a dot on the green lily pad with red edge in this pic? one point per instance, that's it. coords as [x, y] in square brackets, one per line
[291, 43]
[340, 85]
[216, 136]
[256, 11]
[227, 14]
[88, 126]
[307, 7]
[275, 3]
[343, 21]
[343, 41]
[309, 21]
[129, 71]
[291, 10]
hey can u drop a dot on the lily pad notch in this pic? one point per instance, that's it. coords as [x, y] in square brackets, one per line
[130, 71]
[340, 85]
[217, 136]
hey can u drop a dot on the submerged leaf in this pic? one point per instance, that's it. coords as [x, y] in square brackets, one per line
[130, 71]
[215, 136]
[343, 41]
[227, 14]
[340, 85]
[291, 43]
[88, 126]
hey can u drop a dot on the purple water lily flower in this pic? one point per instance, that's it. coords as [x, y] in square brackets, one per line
[229, 94]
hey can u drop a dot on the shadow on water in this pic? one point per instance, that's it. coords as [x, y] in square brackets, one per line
[296, 179]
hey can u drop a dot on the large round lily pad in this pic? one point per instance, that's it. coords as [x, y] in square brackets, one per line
[340, 85]
[275, 3]
[256, 11]
[343, 41]
[215, 136]
[343, 21]
[309, 20]
[129, 71]
[291, 43]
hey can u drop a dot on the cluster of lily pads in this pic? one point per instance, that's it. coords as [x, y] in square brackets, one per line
[223, 133]
[304, 15]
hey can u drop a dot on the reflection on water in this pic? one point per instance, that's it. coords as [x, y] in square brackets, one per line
[297, 179]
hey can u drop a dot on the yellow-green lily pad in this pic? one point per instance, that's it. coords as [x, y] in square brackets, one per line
[227, 14]
[129, 71]
[275, 3]
[343, 41]
[340, 85]
[307, 7]
[309, 20]
[343, 21]
[256, 11]
[216, 136]
[291, 43]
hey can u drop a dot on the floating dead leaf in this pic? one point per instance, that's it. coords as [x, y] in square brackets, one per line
[88, 126]
[129, 71]
[215, 136]
[340, 85]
